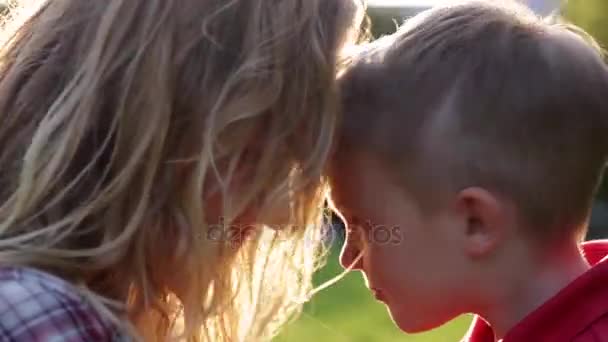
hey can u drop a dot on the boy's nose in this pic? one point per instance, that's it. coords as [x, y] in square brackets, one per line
[350, 255]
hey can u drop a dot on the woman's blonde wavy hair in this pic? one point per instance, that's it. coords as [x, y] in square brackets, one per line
[123, 121]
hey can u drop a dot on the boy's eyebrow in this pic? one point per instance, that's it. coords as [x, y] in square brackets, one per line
[346, 215]
[338, 209]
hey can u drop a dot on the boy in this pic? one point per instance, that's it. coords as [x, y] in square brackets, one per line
[473, 143]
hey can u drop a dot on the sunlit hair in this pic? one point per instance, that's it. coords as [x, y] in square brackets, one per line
[123, 121]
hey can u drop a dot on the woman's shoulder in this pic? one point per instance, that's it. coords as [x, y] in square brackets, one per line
[37, 306]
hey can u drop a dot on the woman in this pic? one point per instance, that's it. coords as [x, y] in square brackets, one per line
[161, 165]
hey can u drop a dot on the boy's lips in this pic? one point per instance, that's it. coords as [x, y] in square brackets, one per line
[378, 294]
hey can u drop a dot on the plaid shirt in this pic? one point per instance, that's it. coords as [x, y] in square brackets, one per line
[36, 306]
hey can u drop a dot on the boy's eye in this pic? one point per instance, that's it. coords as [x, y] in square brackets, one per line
[360, 224]
[357, 225]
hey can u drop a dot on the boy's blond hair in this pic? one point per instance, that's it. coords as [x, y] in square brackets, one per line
[120, 118]
[486, 94]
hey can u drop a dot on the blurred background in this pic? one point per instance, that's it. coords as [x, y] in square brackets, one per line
[346, 311]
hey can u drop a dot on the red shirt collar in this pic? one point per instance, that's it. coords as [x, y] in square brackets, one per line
[568, 313]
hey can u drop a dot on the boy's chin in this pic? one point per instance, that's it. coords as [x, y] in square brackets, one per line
[409, 328]
[411, 323]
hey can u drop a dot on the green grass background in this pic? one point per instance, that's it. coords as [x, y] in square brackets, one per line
[347, 312]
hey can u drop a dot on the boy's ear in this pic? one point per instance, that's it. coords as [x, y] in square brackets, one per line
[485, 218]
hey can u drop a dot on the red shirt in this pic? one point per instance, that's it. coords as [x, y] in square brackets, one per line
[578, 313]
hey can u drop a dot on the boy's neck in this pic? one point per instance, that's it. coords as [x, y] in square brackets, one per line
[537, 284]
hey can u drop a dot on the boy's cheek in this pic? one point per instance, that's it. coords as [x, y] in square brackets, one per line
[384, 235]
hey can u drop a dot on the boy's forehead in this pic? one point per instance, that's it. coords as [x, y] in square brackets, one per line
[344, 183]
[355, 178]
